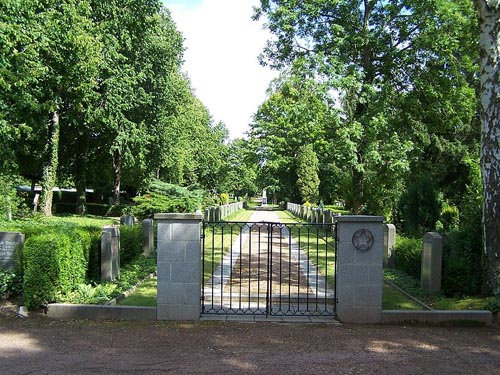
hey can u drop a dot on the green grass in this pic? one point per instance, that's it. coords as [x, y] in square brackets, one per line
[144, 295]
[315, 241]
[393, 299]
[240, 215]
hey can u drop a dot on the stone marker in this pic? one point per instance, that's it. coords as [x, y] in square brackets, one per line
[147, 237]
[432, 254]
[110, 253]
[389, 242]
[127, 220]
[9, 241]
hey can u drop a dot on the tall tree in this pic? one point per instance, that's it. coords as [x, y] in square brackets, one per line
[489, 45]
[373, 52]
[63, 52]
[307, 174]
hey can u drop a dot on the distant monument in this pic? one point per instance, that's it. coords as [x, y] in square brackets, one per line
[264, 197]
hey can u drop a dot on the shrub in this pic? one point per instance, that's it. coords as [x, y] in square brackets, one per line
[419, 207]
[408, 255]
[11, 283]
[53, 263]
[224, 198]
[149, 204]
[450, 217]
[130, 243]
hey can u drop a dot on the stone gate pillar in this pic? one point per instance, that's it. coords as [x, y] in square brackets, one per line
[359, 268]
[179, 266]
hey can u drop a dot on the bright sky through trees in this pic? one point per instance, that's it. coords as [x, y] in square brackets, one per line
[221, 59]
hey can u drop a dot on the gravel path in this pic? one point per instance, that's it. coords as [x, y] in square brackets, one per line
[42, 346]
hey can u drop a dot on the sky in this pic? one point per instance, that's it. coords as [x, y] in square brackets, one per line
[223, 44]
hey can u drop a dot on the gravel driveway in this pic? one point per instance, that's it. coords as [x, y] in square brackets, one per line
[43, 346]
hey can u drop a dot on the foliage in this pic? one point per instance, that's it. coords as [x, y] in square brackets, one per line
[11, 205]
[11, 283]
[406, 282]
[101, 293]
[130, 243]
[307, 174]
[53, 263]
[420, 208]
[408, 255]
[224, 198]
[450, 217]
[391, 101]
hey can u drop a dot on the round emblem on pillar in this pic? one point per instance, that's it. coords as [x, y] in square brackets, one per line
[362, 239]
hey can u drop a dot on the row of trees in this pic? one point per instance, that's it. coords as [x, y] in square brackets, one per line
[391, 95]
[92, 95]
[384, 91]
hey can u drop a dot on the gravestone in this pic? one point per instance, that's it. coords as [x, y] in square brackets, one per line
[127, 220]
[432, 254]
[110, 253]
[389, 242]
[9, 241]
[147, 237]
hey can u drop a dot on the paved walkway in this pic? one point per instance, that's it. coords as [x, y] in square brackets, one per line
[266, 273]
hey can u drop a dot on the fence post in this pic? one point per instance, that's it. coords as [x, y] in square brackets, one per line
[359, 268]
[179, 266]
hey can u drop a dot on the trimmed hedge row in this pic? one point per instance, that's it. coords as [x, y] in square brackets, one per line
[59, 257]
[54, 263]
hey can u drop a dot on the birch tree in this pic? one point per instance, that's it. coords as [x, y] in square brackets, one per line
[489, 46]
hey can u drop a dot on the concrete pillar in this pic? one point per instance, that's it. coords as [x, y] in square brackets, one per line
[359, 268]
[179, 266]
[148, 237]
[432, 254]
[389, 242]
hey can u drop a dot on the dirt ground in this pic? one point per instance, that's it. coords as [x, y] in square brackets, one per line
[42, 346]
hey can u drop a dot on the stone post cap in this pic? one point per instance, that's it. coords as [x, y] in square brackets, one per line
[361, 218]
[178, 216]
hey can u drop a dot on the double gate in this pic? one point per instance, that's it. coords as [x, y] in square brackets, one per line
[268, 268]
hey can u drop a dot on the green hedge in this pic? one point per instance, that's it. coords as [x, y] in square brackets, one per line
[408, 255]
[130, 243]
[54, 263]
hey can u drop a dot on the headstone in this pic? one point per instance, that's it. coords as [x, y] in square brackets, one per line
[127, 220]
[147, 236]
[432, 254]
[389, 242]
[110, 253]
[9, 241]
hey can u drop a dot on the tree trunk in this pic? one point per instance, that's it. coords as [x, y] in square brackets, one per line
[49, 174]
[81, 196]
[117, 164]
[489, 44]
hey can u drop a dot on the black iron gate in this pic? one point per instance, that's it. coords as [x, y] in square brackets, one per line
[268, 268]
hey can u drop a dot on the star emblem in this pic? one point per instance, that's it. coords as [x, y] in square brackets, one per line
[362, 239]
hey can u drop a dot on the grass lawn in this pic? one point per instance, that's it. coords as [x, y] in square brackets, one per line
[144, 295]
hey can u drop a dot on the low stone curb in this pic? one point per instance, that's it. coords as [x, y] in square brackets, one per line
[482, 317]
[100, 312]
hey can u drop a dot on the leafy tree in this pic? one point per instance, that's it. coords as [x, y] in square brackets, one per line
[297, 111]
[489, 17]
[307, 173]
[65, 53]
[390, 71]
